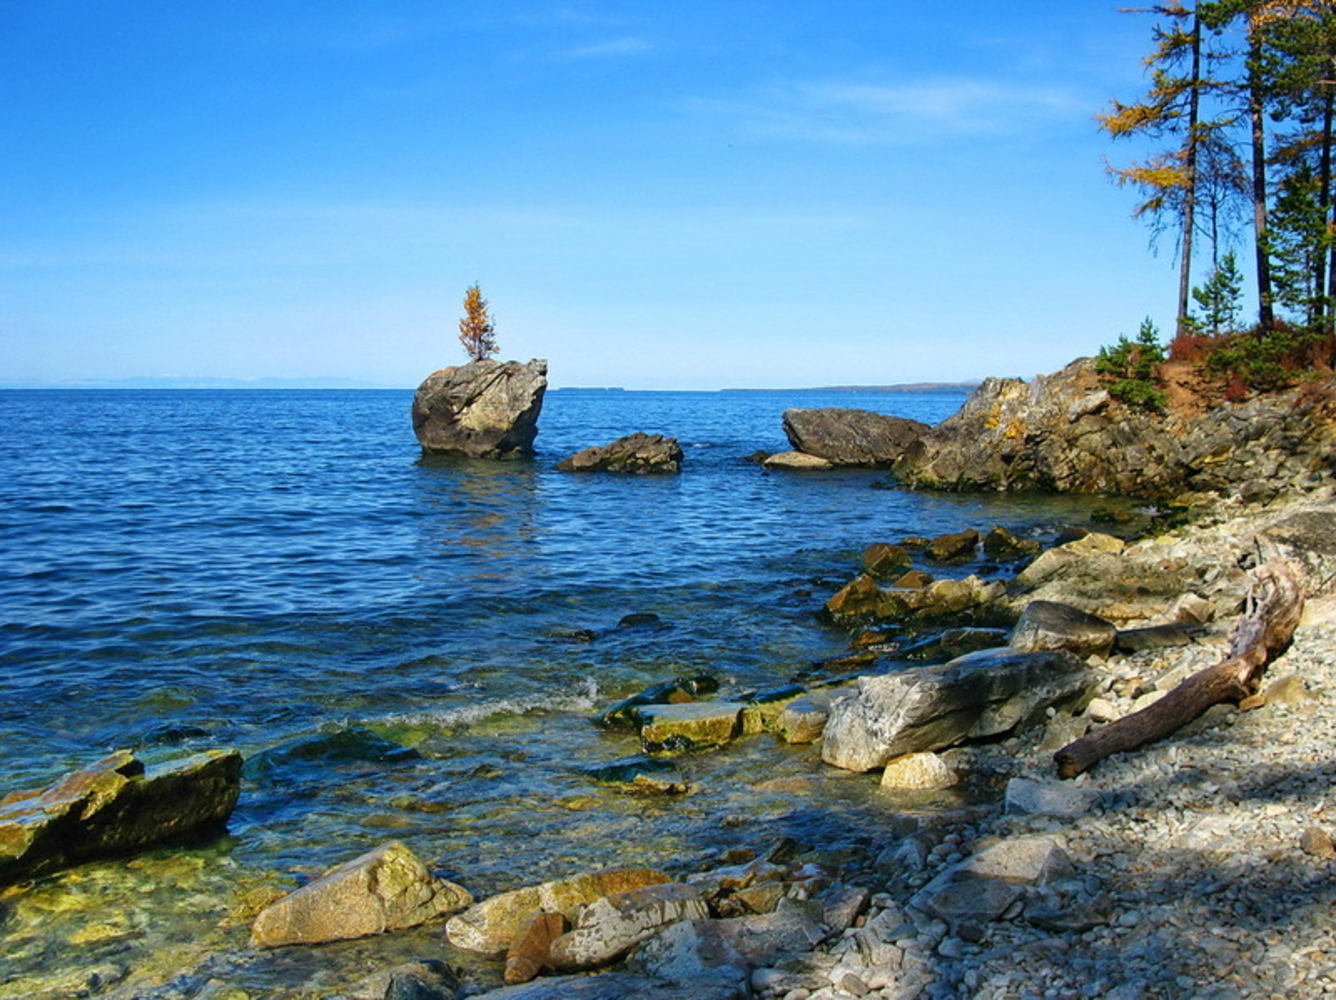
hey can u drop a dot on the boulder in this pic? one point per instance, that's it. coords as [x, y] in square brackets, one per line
[484, 409]
[851, 437]
[797, 461]
[690, 949]
[489, 927]
[1003, 545]
[387, 889]
[918, 772]
[955, 546]
[882, 559]
[930, 708]
[804, 719]
[1050, 625]
[114, 807]
[609, 927]
[638, 454]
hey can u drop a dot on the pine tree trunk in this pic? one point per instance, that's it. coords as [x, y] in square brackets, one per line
[1265, 312]
[1190, 168]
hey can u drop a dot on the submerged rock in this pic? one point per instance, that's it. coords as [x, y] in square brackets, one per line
[637, 453]
[796, 461]
[386, 889]
[640, 775]
[116, 806]
[484, 409]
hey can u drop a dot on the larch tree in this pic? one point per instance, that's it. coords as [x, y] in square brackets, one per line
[476, 331]
[1172, 107]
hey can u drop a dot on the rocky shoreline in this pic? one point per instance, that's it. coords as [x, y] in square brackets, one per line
[1198, 865]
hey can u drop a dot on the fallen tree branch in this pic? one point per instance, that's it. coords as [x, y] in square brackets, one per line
[1271, 614]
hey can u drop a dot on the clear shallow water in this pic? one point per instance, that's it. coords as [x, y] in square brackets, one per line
[257, 568]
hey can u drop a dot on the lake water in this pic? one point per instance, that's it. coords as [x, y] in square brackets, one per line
[272, 569]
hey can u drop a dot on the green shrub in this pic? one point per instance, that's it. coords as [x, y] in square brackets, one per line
[1131, 368]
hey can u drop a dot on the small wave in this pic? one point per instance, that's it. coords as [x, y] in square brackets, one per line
[584, 700]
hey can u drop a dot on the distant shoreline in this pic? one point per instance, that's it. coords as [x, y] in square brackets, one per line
[277, 384]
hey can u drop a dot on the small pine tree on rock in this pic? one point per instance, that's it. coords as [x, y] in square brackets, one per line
[476, 332]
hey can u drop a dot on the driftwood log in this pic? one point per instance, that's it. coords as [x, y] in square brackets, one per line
[1271, 614]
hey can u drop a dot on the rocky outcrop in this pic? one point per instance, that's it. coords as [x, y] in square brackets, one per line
[851, 437]
[1065, 433]
[114, 807]
[484, 409]
[387, 889]
[977, 695]
[637, 453]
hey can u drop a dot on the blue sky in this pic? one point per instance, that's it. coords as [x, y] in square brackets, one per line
[652, 195]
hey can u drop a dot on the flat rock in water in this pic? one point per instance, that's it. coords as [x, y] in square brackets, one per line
[700, 725]
[796, 461]
[931, 708]
[114, 807]
[387, 889]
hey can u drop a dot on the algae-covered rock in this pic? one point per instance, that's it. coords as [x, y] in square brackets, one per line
[116, 806]
[702, 725]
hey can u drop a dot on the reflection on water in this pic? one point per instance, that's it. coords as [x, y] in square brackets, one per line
[480, 515]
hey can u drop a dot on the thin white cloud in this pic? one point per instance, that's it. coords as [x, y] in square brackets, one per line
[615, 48]
[901, 113]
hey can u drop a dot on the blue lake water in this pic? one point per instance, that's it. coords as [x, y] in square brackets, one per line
[183, 569]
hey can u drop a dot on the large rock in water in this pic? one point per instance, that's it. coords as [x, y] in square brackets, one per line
[114, 807]
[851, 437]
[484, 409]
[1065, 433]
[636, 453]
[979, 694]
